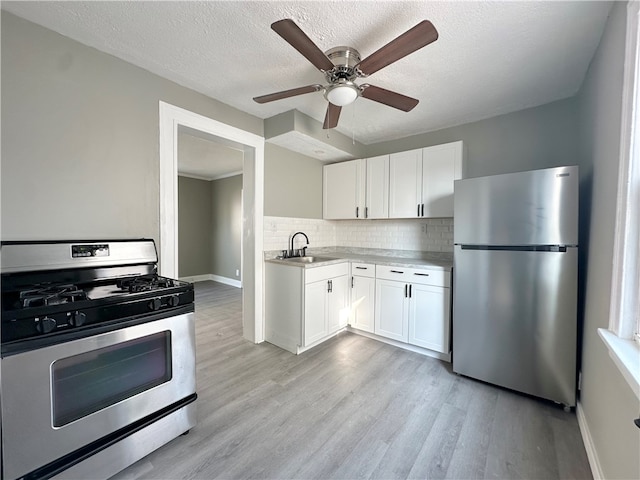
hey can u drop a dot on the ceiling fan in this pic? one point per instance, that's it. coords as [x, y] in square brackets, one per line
[342, 65]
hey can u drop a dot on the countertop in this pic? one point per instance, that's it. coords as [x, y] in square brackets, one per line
[395, 258]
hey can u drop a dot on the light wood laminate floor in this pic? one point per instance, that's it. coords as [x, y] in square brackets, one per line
[352, 408]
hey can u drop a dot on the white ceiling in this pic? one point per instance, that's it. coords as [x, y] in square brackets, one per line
[491, 57]
[202, 156]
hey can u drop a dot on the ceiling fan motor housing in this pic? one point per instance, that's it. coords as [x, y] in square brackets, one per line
[345, 60]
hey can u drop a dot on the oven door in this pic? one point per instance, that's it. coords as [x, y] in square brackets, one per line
[60, 398]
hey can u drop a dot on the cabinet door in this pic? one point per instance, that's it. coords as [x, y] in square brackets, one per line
[343, 190]
[377, 191]
[405, 184]
[315, 311]
[363, 293]
[337, 304]
[391, 315]
[429, 317]
[441, 165]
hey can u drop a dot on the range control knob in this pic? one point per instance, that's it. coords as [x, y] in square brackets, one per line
[46, 325]
[174, 300]
[77, 319]
[155, 304]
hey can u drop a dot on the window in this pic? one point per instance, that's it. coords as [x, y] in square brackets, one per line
[623, 336]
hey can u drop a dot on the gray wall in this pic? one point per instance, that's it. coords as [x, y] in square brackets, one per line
[80, 145]
[226, 226]
[194, 227]
[210, 227]
[539, 137]
[607, 401]
[292, 184]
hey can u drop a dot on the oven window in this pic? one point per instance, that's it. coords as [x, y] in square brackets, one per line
[91, 381]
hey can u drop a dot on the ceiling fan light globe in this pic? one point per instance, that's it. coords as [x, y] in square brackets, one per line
[342, 95]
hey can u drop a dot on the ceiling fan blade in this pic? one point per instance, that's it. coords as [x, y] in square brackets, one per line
[288, 30]
[287, 93]
[414, 39]
[332, 116]
[392, 99]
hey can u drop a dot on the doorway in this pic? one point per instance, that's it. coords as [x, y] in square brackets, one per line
[252, 146]
[209, 209]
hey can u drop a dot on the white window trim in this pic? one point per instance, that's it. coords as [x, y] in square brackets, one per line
[624, 316]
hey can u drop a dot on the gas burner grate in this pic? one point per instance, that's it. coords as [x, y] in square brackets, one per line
[144, 283]
[46, 295]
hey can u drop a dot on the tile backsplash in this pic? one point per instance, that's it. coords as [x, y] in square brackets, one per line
[428, 234]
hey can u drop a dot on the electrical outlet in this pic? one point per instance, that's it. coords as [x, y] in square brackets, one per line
[424, 228]
[237, 273]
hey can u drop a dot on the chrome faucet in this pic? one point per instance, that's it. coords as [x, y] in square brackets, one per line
[301, 252]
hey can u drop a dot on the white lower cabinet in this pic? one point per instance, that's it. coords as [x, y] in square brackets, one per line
[304, 306]
[413, 306]
[392, 307]
[315, 312]
[326, 302]
[338, 303]
[363, 293]
[429, 314]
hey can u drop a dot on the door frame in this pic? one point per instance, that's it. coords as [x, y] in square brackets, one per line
[171, 117]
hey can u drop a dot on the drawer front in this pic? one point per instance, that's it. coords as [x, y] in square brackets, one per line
[401, 274]
[315, 274]
[422, 276]
[363, 269]
[438, 278]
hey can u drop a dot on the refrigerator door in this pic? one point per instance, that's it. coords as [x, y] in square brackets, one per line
[538, 207]
[514, 320]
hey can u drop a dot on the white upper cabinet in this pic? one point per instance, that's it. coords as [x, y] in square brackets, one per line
[412, 184]
[421, 181]
[377, 191]
[343, 190]
[356, 189]
[405, 184]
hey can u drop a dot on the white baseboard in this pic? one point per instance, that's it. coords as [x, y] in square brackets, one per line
[196, 278]
[215, 278]
[227, 281]
[445, 357]
[592, 455]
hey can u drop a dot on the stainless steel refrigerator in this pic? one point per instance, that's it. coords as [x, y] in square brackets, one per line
[515, 281]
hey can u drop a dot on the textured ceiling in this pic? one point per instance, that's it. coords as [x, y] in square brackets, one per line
[491, 57]
[201, 156]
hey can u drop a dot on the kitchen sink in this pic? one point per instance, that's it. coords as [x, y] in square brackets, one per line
[308, 259]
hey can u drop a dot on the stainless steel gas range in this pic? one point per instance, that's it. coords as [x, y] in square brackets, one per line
[98, 357]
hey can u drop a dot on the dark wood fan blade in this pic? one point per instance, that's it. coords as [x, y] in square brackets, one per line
[288, 93]
[288, 30]
[392, 99]
[332, 116]
[414, 39]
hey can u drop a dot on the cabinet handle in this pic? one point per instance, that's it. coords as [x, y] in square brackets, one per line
[352, 279]
[409, 291]
[362, 268]
[396, 271]
[423, 209]
[422, 274]
[418, 210]
[357, 211]
[329, 286]
[405, 290]
[366, 212]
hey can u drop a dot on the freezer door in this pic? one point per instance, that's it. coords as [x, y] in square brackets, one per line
[539, 207]
[514, 320]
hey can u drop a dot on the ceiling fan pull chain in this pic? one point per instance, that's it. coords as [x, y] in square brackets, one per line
[353, 122]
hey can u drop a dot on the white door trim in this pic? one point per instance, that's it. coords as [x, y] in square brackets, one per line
[252, 201]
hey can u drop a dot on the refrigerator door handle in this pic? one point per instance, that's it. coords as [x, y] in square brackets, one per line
[519, 248]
